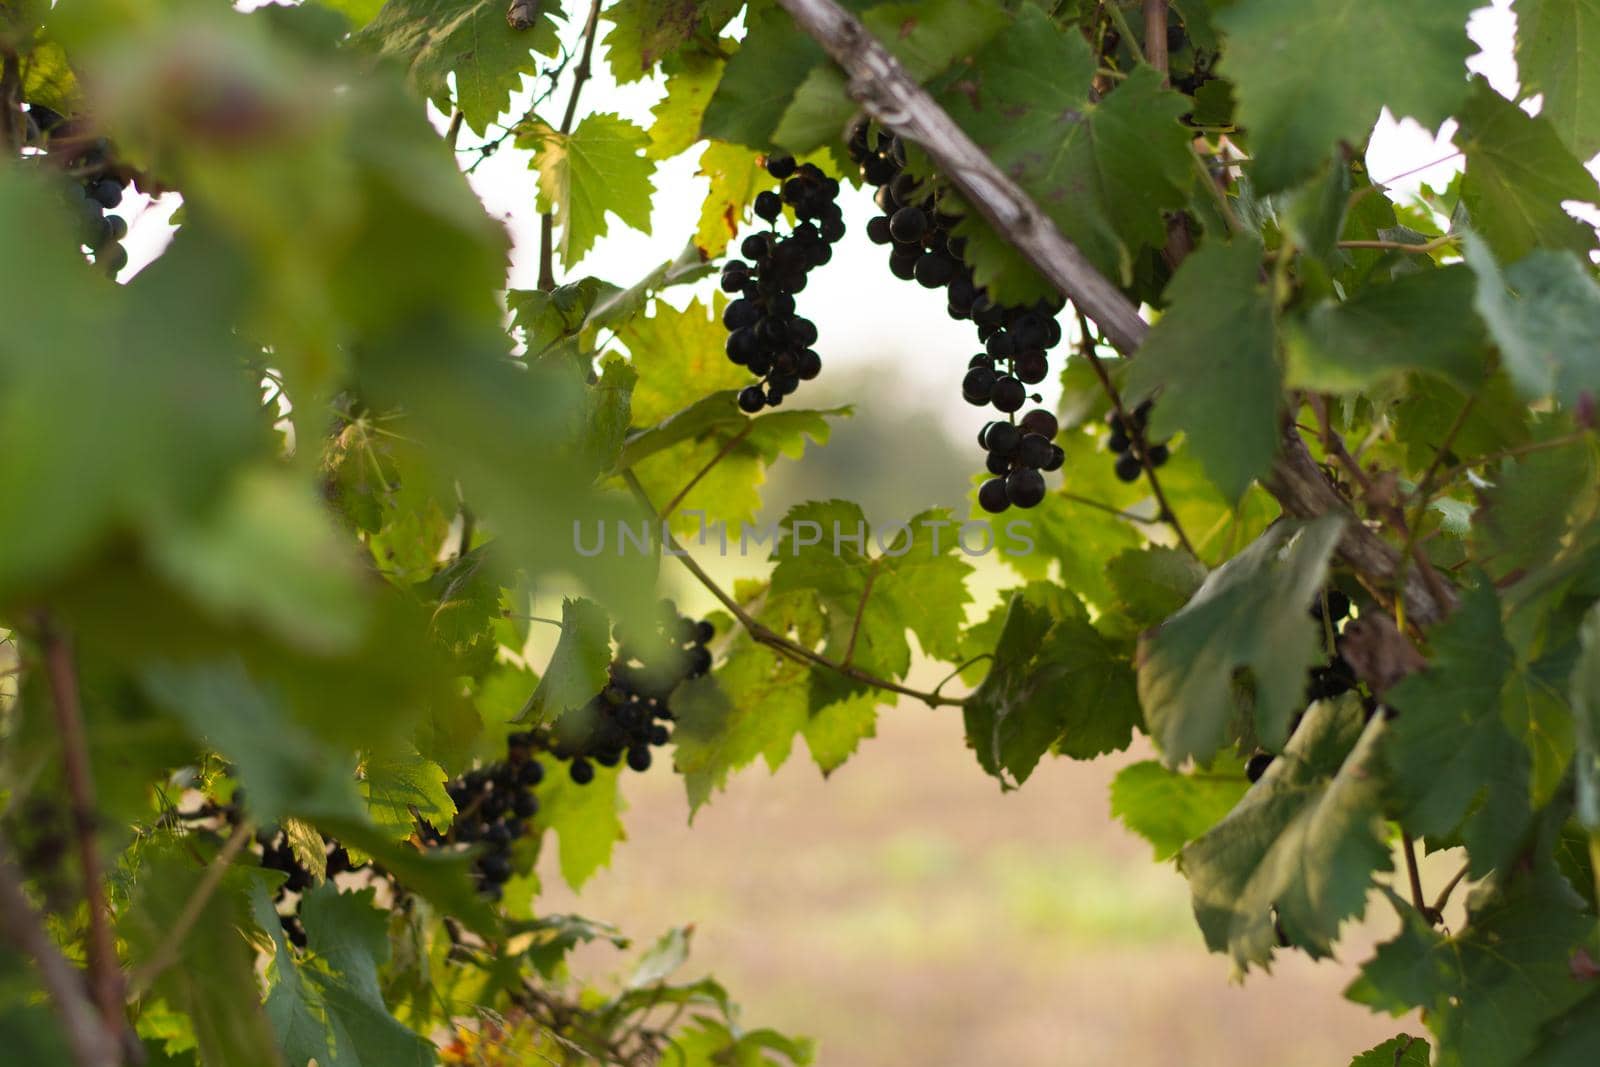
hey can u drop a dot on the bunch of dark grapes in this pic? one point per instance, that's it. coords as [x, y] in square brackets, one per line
[493, 806]
[278, 855]
[1324, 681]
[96, 186]
[764, 333]
[1128, 441]
[630, 715]
[1015, 338]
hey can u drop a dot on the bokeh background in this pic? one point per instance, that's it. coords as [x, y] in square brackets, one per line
[905, 911]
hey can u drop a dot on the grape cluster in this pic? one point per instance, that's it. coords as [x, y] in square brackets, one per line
[764, 334]
[630, 714]
[1126, 442]
[96, 187]
[493, 806]
[1015, 338]
[278, 855]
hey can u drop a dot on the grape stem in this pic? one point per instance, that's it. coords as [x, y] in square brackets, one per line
[93, 1045]
[166, 953]
[1127, 516]
[105, 973]
[1155, 36]
[722, 453]
[762, 634]
[1414, 876]
[1135, 433]
[1449, 887]
[861, 609]
[1389, 511]
[899, 103]
[580, 74]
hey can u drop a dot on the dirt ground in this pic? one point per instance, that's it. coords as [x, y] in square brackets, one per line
[906, 912]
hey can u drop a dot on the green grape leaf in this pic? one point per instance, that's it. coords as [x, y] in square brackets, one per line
[467, 38]
[1487, 989]
[736, 175]
[465, 604]
[916, 581]
[1525, 514]
[621, 306]
[586, 819]
[833, 733]
[691, 79]
[609, 413]
[1452, 761]
[402, 787]
[715, 476]
[598, 169]
[680, 357]
[269, 553]
[578, 667]
[1401, 1051]
[760, 80]
[48, 79]
[1557, 45]
[443, 878]
[283, 766]
[646, 32]
[1308, 76]
[212, 980]
[1169, 809]
[752, 708]
[1536, 711]
[1543, 314]
[359, 12]
[337, 1015]
[1252, 612]
[1103, 171]
[1211, 358]
[1078, 538]
[1518, 173]
[1152, 583]
[548, 318]
[166, 429]
[1497, 418]
[1299, 851]
[1054, 682]
[1414, 322]
[1569, 1040]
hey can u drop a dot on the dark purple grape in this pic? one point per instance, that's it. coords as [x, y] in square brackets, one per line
[992, 496]
[1009, 394]
[1025, 487]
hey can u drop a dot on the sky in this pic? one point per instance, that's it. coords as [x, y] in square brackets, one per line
[867, 318]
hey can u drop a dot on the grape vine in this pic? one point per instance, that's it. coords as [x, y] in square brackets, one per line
[309, 695]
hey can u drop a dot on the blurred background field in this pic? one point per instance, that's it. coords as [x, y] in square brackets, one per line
[905, 912]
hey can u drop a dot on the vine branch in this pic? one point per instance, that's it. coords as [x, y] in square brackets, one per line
[1155, 36]
[763, 634]
[92, 1044]
[580, 74]
[899, 103]
[722, 453]
[105, 973]
[166, 952]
